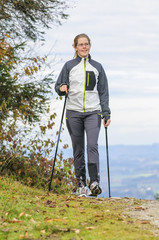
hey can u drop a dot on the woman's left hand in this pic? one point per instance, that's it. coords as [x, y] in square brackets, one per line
[107, 123]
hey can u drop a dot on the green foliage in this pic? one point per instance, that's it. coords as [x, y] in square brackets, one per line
[23, 103]
[24, 95]
[31, 17]
[156, 196]
[20, 95]
[30, 162]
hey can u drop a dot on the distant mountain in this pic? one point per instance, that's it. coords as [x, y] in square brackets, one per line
[134, 170]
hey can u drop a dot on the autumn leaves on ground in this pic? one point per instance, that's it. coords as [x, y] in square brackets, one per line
[29, 213]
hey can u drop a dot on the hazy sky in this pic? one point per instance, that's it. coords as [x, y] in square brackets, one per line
[125, 39]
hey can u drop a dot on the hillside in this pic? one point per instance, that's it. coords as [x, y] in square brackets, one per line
[28, 213]
[134, 170]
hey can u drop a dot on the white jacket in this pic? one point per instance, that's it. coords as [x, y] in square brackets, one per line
[88, 86]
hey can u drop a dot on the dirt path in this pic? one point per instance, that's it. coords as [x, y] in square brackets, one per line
[147, 213]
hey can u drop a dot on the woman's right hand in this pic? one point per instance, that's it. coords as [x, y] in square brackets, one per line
[64, 88]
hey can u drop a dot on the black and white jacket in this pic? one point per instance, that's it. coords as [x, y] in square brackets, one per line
[88, 86]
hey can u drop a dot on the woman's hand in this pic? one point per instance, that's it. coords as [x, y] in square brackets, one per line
[64, 88]
[107, 123]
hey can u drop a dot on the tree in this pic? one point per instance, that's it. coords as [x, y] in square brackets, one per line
[22, 20]
[23, 97]
[29, 18]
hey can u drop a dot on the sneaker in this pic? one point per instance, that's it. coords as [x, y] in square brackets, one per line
[82, 191]
[95, 189]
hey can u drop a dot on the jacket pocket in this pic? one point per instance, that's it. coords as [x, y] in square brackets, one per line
[90, 80]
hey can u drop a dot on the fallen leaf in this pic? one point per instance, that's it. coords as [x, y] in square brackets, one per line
[139, 208]
[50, 203]
[21, 236]
[14, 220]
[143, 222]
[43, 196]
[62, 211]
[57, 219]
[5, 230]
[21, 214]
[81, 210]
[90, 228]
[77, 231]
[27, 215]
[84, 223]
[32, 220]
[64, 229]
[43, 231]
[99, 215]
[48, 220]
[52, 219]
[107, 210]
[120, 219]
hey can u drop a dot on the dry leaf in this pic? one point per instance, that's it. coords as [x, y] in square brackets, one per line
[43, 231]
[57, 219]
[5, 230]
[21, 236]
[50, 203]
[99, 216]
[107, 210]
[84, 223]
[21, 214]
[90, 228]
[77, 231]
[52, 219]
[120, 219]
[139, 208]
[48, 220]
[32, 220]
[81, 210]
[27, 215]
[14, 220]
[143, 222]
[43, 196]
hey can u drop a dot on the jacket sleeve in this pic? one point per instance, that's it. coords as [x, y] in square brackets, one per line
[63, 79]
[103, 91]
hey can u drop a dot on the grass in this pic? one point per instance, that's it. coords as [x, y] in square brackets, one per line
[28, 213]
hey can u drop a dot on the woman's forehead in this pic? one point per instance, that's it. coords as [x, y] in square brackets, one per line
[82, 39]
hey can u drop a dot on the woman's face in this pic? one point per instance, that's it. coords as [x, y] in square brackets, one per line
[83, 47]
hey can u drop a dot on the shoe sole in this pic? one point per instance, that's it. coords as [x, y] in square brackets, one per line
[82, 195]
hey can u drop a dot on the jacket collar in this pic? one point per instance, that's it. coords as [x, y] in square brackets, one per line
[80, 58]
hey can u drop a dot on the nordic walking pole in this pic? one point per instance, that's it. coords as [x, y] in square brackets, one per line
[57, 142]
[106, 136]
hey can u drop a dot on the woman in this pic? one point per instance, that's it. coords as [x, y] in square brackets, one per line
[85, 82]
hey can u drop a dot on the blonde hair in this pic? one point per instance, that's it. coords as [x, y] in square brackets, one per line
[82, 35]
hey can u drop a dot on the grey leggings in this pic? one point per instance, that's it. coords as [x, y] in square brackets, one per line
[77, 123]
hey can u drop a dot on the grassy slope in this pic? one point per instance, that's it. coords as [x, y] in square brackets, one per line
[28, 213]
